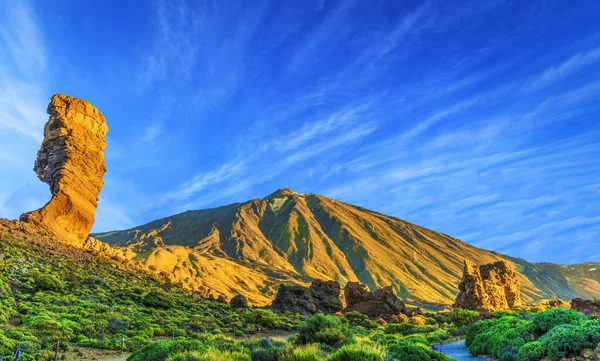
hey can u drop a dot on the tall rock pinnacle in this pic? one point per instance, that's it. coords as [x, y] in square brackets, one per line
[71, 161]
[491, 287]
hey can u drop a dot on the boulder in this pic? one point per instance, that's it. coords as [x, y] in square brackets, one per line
[71, 162]
[238, 301]
[587, 307]
[382, 303]
[488, 287]
[320, 297]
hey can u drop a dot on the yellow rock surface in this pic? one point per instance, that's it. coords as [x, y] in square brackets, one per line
[71, 161]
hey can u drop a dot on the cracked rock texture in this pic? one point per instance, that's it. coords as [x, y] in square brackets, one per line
[321, 296]
[71, 162]
[492, 287]
[382, 303]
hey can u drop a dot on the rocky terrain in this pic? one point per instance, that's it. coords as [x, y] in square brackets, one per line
[71, 161]
[382, 303]
[321, 296]
[489, 287]
[588, 307]
[289, 237]
[61, 287]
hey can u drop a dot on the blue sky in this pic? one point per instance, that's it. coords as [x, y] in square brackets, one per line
[479, 119]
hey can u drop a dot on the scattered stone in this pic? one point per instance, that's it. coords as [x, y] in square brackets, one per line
[382, 303]
[587, 307]
[488, 287]
[321, 296]
[238, 301]
[589, 354]
[71, 161]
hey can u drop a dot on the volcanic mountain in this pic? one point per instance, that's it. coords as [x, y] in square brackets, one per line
[250, 248]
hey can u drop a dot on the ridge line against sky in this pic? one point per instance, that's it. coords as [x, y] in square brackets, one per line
[479, 121]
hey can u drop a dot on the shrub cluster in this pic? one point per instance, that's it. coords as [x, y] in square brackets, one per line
[556, 333]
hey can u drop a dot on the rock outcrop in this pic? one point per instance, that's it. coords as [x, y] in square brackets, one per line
[382, 303]
[321, 296]
[71, 161]
[588, 307]
[238, 301]
[489, 287]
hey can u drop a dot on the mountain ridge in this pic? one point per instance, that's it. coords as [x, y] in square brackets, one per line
[288, 237]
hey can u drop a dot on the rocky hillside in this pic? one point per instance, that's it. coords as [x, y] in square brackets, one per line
[251, 247]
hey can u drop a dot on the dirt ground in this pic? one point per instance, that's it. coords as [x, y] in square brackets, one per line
[92, 354]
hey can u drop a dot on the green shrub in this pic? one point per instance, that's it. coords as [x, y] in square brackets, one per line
[266, 354]
[547, 320]
[462, 317]
[210, 355]
[158, 298]
[564, 340]
[476, 329]
[408, 328]
[507, 333]
[358, 319]
[328, 330]
[437, 336]
[46, 282]
[310, 352]
[358, 352]
[406, 351]
[50, 331]
[263, 318]
[532, 351]
[160, 351]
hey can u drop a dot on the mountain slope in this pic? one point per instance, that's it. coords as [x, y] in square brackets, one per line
[251, 247]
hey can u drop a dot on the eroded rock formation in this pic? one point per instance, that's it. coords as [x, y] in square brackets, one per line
[587, 307]
[382, 303]
[238, 301]
[321, 296]
[71, 162]
[490, 287]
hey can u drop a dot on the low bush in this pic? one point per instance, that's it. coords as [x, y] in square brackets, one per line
[408, 328]
[547, 320]
[327, 330]
[160, 351]
[407, 351]
[210, 355]
[358, 319]
[461, 317]
[311, 352]
[557, 333]
[565, 340]
[158, 298]
[358, 352]
[46, 282]
[532, 351]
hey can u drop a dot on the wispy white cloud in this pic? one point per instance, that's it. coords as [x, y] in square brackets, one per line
[558, 72]
[343, 138]
[175, 51]
[151, 132]
[22, 104]
[205, 179]
[21, 37]
[434, 119]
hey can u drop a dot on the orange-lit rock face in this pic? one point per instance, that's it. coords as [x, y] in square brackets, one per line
[71, 162]
[492, 287]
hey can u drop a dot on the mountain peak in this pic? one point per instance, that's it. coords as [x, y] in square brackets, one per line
[282, 192]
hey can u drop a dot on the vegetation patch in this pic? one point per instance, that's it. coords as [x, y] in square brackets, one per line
[556, 333]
